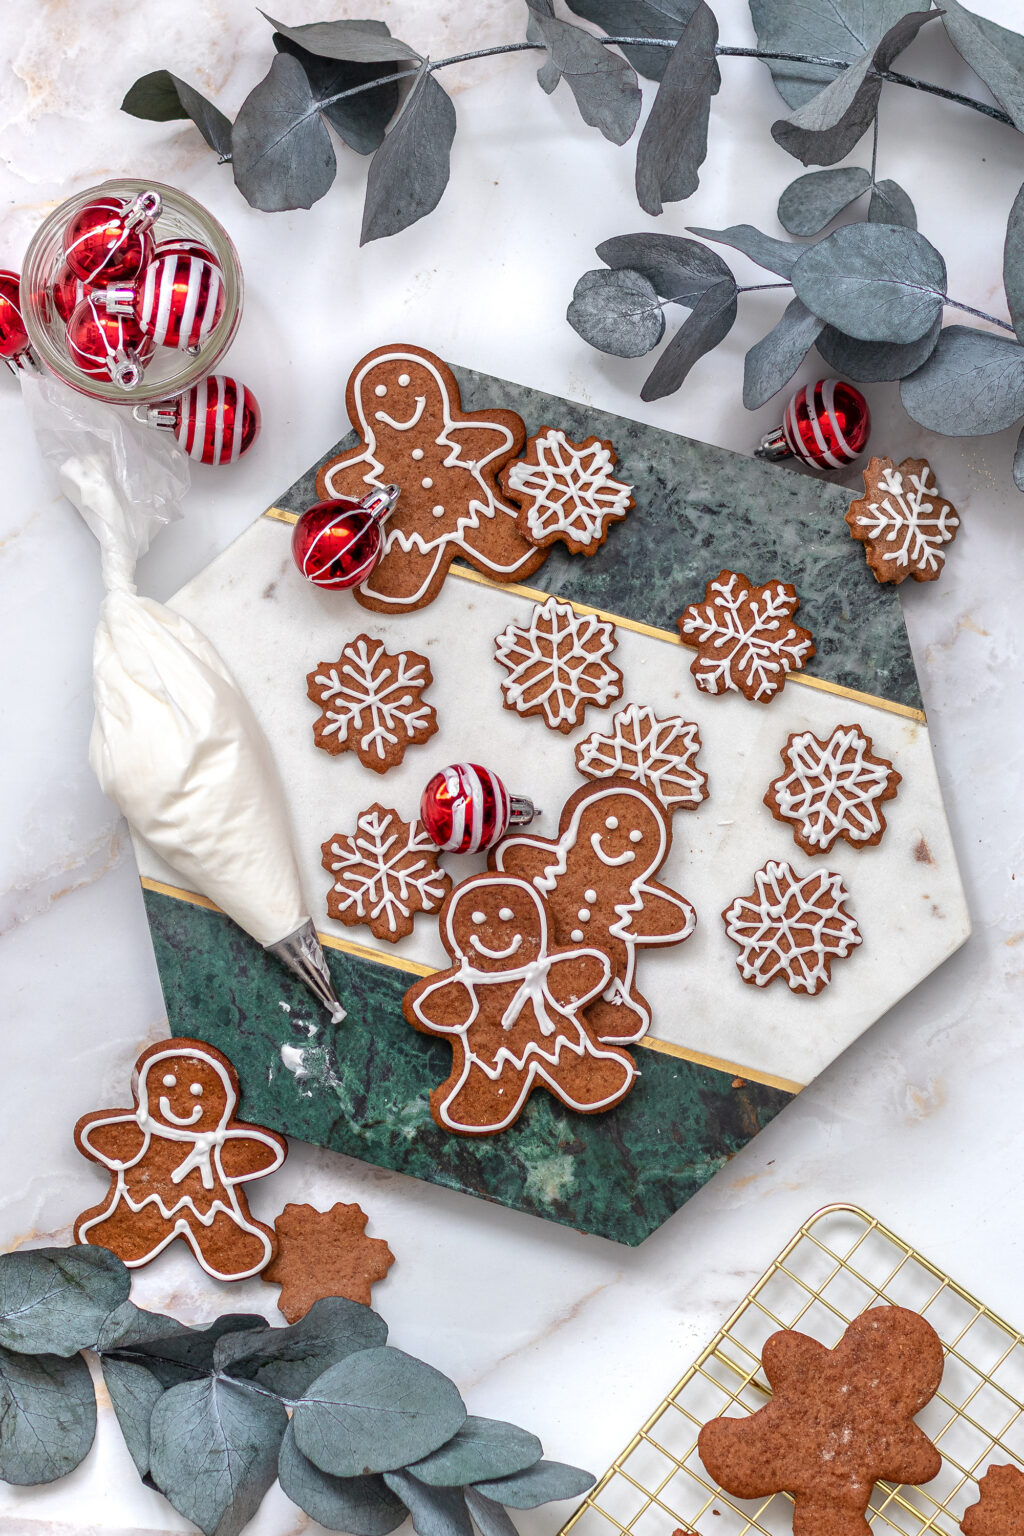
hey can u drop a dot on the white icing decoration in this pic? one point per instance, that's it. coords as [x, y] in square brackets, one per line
[636, 837]
[613, 860]
[510, 949]
[479, 917]
[506, 914]
[591, 896]
[203, 1157]
[571, 490]
[577, 935]
[438, 511]
[791, 926]
[374, 873]
[363, 690]
[403, 379]
[409, 422]
[417, 453]
[561, 1028]
[381, 389]
[558, 661]
[426, 482]
[659, 754]
[834, 788]
[611, 822]
[197, 1090]
[760, 646]
[584, 914]
[912, 519]
[170, 1081]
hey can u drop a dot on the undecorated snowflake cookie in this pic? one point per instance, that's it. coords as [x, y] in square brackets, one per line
[558, 664]
[833, 788]
[567, 490]
[744, 636]
[902, 521]
[384, 873]
[792, 926]
[371, 704]
[659, 754]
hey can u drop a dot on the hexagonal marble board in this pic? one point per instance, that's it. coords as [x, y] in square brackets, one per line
[722, 1057]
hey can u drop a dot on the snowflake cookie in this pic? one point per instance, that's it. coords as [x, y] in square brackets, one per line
[557, 665]
[832, 789]
[744, 636]
[902, 521]
[659, 754]
[791, 926]
[384, 873]
[371, 703]
[567, 491]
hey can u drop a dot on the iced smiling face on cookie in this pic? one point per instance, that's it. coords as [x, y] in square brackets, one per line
[185, 1092]
[496, 924]
[626, 835]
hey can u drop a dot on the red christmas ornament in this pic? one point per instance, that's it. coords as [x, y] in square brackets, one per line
[184, 245]
[826, 425]
[177, 300]
[106, 346]
[67, 292]
[338, 543]
[215, 422]
[466, 808]
[110, 240]
[14, 347]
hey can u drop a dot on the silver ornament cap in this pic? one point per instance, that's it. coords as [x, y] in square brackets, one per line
[302, 954]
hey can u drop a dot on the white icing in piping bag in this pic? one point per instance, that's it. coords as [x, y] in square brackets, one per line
[174, 742]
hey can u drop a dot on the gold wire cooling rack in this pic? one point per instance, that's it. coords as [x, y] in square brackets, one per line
[840, 1262]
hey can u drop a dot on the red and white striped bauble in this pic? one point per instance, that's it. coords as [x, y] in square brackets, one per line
[177, 300]
[184, 245]
[827, 424]
[466, 808]
[106, 346]
[215, 422]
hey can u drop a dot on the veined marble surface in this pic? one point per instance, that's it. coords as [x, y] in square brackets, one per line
[919, 1120]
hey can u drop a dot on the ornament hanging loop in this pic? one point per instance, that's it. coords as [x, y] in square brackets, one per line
[380, 502]
[144, 211]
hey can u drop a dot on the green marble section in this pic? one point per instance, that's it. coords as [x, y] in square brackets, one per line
[700, 509]
[362, 1088]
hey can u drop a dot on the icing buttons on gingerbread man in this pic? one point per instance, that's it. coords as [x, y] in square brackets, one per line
[405, 405]
[177, 1161]
[596, 878]
[512, 1006]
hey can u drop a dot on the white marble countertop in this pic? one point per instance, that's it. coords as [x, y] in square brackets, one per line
[920, 1121]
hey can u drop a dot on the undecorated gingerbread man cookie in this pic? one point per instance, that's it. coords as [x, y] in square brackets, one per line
[405, 405]
[597, 879]
[512, 1006]
[177, 1162]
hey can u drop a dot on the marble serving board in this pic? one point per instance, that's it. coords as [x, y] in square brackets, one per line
[722, 1057]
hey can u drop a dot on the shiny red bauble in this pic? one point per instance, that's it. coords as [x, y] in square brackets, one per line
[215, 422]
[466, 808]
[177, 300]
[109, 347]
[13, 335]
[337, 543]
[110, 240]
[67, 291]
[826, 425]
[184, 245]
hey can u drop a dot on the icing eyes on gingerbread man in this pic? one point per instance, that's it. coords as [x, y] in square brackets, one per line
[405, 405]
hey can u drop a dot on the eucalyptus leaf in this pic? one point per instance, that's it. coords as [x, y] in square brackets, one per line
[53, 1301]
[830, 29]
[679, 270]
[1013, 264]
[993, 53]
[161, 97]
[539, 1484]
[360, 120]
[282, 155]
[135, 1386]
[410, 170]
[873, 281]
[171, 1351]
[889, 204]
[814, 200]
[481, 1448]
[602, 81]
[972, 384]
[641, 18]
[709, 321]
[777, 255]
[674, 142]
[617, 312]
[489, 1518]
[1018, 464]
[360, 42]
[213, 1453]
[827, 127]
[869, 362]
[47, 1416]
[377, 1410]
[434, 1511]
[772, 362]
[288, 1360]
[363, 1506]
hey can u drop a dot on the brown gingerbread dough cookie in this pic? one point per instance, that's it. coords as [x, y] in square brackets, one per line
[902, 521]
[833, 788]
[744, 636]
[557, 665]
[324, 1253]
[839, 1419]
[371, 704]
[567, 491]
[383, 873]
[1000, 1507]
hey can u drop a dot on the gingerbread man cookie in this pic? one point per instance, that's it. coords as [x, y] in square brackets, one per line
[405, 405]
[177, 1162]
[597, 879]
[512, 1005]
[838, 1420]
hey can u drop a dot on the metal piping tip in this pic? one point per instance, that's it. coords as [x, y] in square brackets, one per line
[302, 954]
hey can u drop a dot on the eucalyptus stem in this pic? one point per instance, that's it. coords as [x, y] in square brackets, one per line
[980, 314]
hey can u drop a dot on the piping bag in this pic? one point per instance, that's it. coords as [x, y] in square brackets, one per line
[174, 742]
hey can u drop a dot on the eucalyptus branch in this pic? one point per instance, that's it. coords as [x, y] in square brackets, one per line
[980, 314]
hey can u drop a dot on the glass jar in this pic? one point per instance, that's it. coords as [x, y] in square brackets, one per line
[170, 372]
